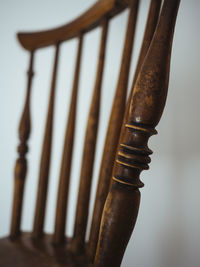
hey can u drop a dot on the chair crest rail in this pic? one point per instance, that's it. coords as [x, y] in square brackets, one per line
[86, 22]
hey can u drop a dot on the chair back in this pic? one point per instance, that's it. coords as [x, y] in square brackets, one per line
[131, 124]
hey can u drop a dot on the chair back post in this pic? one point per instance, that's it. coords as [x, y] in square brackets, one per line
[145, 110]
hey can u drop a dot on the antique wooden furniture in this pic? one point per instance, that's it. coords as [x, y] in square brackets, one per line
[125, 155]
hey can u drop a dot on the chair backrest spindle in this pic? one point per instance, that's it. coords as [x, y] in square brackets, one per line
[45, 157]
[21, 163]
[61, 209]
[113, 131]
[89, 150]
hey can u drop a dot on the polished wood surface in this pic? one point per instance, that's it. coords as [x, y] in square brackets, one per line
[126, 151]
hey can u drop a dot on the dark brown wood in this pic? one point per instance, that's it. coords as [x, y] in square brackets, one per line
[61, 210]
[117, 227]
[119, 171]
[147, 104]
[113, 131]
[45, 158]
[151, 23]
[90, 19]
[89, 151]
[21, 163]
[26, 251]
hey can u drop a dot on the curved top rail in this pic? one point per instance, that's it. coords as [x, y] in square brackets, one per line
[87, 21]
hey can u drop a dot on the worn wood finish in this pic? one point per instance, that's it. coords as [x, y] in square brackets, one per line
[89, 150]
[113, 131]
[103, 185]
[61, 210]
[21, 163]
[45, 158]
[151, 23]
[147, 104]
[89, 20]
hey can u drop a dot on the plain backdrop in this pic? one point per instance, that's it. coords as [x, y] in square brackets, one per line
[167, 230]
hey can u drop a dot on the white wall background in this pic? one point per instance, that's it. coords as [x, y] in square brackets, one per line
[167, 231]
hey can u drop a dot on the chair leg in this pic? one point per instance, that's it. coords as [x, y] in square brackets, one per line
[118, 221]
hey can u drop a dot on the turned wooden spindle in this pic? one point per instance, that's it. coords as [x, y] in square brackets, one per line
[145, 110]
[113, 131]
[21, 163]
[104, 185]
[61, 209]
[151, 23]
[89, 151]
[45, 158]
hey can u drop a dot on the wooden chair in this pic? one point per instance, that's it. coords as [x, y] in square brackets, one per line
[125, 155]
